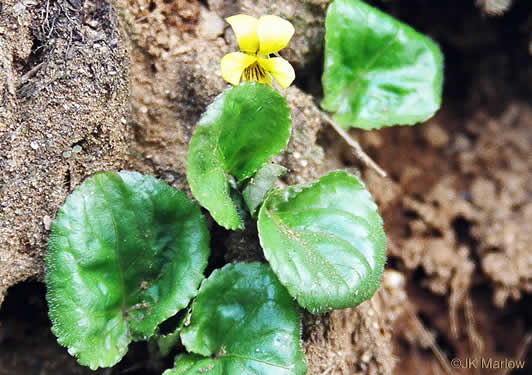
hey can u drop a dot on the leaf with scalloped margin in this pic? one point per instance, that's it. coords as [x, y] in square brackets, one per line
[243, 322]
[378, 71]
[127, 251]
[325, 241]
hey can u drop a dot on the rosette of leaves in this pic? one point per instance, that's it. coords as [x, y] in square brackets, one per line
[240, 131]
[243, 321]
[127, 251]
[378, 71]
[325, 241]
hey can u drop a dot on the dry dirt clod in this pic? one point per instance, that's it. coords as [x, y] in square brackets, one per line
[60, 91]
[357, 340]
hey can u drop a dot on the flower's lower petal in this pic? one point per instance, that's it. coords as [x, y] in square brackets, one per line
[274, 34]
[233, 64]
[245, 28]
[280, 69]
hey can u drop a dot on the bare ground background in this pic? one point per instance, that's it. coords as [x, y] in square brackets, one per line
[96, 85]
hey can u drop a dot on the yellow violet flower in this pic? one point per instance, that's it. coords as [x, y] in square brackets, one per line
[258, 38]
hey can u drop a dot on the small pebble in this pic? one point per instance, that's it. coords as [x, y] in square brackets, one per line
[393, 279]
[436, 136]
[211, 25]
[47, 221]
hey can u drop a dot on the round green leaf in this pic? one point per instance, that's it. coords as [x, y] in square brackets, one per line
[324, 241]
[244, 127]
[127, 251]
[244, 322]
[378, 71]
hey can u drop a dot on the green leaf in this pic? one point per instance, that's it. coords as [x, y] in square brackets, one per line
[244, 127]
[162, 344]
[260, 184]
[192, 364]
[165, 343]
[324, 241]
[378, 71]
[127, 251]
[244, 322]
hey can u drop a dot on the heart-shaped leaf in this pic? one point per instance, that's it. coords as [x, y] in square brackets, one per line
[244, 127]
[324, 241]
[127, 251]
[243, 322]
[378, 71]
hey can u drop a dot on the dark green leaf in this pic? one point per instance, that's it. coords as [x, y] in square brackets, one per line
[378, 71]
[244, 127]
[127, 251]
[244, 322]
[324, 241]
[260, 184]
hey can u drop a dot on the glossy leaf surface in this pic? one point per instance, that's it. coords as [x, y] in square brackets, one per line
[244, 127]
[186, 364]
[325, 241]
[127, 251]
[378, 71]
[243, 322]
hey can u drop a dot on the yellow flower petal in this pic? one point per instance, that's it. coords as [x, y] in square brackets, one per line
[274, 34]
[245, 28]
[233, 64]
[280, 69]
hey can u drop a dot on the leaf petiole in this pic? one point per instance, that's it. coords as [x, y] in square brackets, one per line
[359, 152]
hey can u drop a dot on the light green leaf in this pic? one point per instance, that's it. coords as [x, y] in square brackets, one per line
[378, 71]
[260, 184]
[244, 127]
[325, 241]
[127, 251]
[243, 322]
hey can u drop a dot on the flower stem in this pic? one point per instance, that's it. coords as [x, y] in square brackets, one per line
[359, 152]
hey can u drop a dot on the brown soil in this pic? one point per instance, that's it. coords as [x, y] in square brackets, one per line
[456, 204]
[63, 98]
